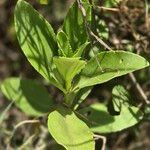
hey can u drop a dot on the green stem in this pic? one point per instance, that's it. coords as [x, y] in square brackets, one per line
[69, 97]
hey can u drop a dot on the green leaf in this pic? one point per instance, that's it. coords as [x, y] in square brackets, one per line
[102, 122]
[36, 38]
[43, 2]
[69, 131]
[68, 68]
[31, 97]
[108, 65]
[80, 50]
[111, 3]
[81, 95]
[64, 44]
[120, 97]
[74, 24]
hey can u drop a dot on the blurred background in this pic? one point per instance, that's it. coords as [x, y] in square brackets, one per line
[126, 27]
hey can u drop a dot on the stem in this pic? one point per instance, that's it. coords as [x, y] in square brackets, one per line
[69, 97]
[107, 9]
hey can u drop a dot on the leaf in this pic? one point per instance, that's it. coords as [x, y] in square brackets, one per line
[120, 97]
[108, 65]
[69, 131]
[81, 95]
[74, 24]
[43, 2]
[31, 97]
[64, 44]
[80, 50]
[68, 68]
[111, 3]
[36, 38]
[102, 122]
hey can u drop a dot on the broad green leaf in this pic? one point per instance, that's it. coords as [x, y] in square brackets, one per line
[100, 121]
[80, 50]
[108, 65]
[36, 38]
[68, 68]
[74, 24]
[31, 97]
[64, 44]
[69, 131]
[120, 96]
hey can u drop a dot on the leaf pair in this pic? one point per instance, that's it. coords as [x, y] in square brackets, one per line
[65, 48]
[74, 26]
[68, 68]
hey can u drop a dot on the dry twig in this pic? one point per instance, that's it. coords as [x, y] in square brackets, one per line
[26, 122]
[97, 137]
[107, 9]
[146, 14]
[139, 88]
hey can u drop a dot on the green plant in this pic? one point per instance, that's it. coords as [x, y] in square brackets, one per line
[62, 60]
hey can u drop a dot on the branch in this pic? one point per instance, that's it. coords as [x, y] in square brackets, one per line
[90, 32]
[107, 9]
[146, 14]
[139, 88]
[26, 122]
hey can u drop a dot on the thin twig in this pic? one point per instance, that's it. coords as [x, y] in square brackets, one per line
[90, 33]
[27, 142]
[3, 114]
[146, 14]
[97, 137]
[139, 88]
[26, 122]
[89, 29]
[107, 8]
[99, 40]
